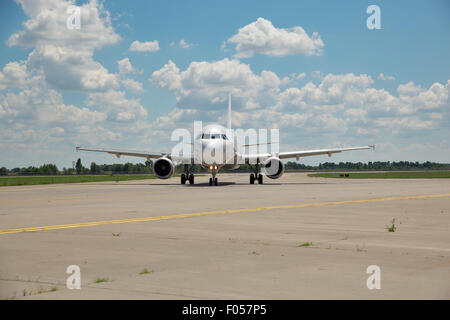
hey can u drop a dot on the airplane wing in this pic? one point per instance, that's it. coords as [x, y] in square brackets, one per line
[307, 153]
[118, 152]
[303, 153]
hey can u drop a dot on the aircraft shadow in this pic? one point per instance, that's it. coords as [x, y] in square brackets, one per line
[206, 184]
[139, 184]
[295, 183]
[167, 184]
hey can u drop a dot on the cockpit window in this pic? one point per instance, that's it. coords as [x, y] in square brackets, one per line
[214, 136]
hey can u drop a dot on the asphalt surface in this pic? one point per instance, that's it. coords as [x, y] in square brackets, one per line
[292, 238]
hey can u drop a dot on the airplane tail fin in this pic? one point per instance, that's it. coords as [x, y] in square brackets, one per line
[229, 112]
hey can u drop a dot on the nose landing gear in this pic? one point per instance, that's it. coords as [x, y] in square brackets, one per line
[213, 179]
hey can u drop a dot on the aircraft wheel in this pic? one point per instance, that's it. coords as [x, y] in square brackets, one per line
[183, 178]
[210, 181]
[252, 179]
[191, 179]
[215, 181]
[260, 179]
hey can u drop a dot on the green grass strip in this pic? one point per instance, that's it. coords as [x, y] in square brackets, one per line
[31, 180]
[437, 174]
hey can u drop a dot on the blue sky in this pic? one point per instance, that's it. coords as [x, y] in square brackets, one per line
[339, 99]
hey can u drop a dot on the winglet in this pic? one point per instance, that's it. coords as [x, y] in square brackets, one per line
[229, 112]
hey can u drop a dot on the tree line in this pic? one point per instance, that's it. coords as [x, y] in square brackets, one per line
[146, 168]
[52, 169]
[376, 165]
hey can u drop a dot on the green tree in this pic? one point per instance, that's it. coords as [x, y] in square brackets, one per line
[68, 171]
[117, 168]
[95, 169]
[78, 166]
[48, 169]
[3, 171]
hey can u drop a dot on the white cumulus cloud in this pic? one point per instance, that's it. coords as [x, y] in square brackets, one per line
[47, 25]
[340, 106]
[67, 69]
[183, 44]
[33, 114]
[132, 85]
[384, 77]
[64, 57]
[117, 106]
[262, 37]
[147, 46]
[206, 84]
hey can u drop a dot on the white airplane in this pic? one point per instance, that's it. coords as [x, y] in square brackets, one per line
[213, 139]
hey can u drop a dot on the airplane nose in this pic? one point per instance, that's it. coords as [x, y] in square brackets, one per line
[216, 152]
[205, 145]
[209, 152]
[212, 153]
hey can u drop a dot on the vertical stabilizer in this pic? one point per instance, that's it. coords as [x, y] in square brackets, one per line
[229, 112]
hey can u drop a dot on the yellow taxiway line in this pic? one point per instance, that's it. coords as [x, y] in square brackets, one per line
[208, 213]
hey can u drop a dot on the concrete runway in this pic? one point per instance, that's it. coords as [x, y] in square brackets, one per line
[232, 241]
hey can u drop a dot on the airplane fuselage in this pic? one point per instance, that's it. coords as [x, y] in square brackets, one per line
[214, 151]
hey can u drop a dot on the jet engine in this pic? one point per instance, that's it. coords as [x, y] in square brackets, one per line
[273, 168]
[163, 168]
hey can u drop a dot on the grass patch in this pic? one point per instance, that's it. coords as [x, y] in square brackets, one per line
[432, 174]
[100, 280]
[253, 253]
[39, 290]
[391, 228]
[116, 234]
[31, 180]
[146, 271]
[305, 244]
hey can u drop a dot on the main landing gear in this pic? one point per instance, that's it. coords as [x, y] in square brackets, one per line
[187, 176]
[256, 176]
